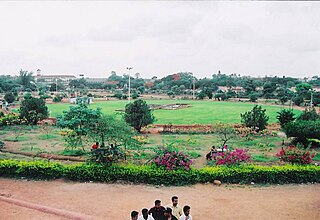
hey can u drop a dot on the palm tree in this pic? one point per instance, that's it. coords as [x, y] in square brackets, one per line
[25, 79]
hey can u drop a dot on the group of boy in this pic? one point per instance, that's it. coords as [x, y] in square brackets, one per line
[158, 212]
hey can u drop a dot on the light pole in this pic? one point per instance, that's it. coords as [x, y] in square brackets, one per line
[56, 85]
[129, 68]
[194, 86]
[311, 104]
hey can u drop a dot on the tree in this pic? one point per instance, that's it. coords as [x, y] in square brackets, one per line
[138, 114]
[268, 89]
[110, 130]
[225, 131]
[33, 110]
[255, 119]
[285, 116]
[283, 94]
[9, 97]
[303, 88]
[54, 86]
[25, 78]
[79, 119]
[253, 97]
[298, 99]
[249, 85]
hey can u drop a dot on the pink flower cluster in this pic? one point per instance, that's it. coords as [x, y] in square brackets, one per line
[295, 155]
[232, 158]
[173, 160]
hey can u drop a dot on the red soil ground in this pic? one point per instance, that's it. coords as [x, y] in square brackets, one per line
[115, 201]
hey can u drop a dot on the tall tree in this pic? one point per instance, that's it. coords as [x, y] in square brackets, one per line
[138, 114]
[25, 79]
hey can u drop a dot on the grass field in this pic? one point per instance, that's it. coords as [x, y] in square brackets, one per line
[200, 112]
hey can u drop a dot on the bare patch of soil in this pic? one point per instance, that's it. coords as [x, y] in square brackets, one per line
[116, 201]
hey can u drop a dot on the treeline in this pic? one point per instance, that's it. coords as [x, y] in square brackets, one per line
[219, 86]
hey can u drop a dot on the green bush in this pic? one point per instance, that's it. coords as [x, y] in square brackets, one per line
[11, 119]
[285, 116]
[302, 131]
[31, 169]
[309, 115]
[256, 119]
[154, 175]
[57, 98]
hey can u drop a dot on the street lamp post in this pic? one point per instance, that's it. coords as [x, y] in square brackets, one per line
[193, 88]
[56, 85]
[129, 68]
[311, 104]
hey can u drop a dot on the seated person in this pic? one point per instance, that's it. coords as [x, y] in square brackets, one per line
[95, 146]
[212, 153]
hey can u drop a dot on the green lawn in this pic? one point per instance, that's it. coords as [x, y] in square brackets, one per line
[200, 112]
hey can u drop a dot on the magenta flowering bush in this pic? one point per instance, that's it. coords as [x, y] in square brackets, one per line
[234, 157]
[295, 155]
[172, 159]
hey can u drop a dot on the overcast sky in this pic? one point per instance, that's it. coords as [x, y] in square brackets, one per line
[161, 38]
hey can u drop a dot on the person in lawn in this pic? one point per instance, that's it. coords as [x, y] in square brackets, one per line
[95, 146]
[212, 153]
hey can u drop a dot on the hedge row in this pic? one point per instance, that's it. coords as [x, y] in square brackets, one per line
[155, 175]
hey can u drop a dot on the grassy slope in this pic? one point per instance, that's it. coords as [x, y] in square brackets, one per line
[201, 112]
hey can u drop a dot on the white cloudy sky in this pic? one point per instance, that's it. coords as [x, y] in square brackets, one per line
[161, 38]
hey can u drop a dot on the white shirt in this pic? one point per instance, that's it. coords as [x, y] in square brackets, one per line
[183, 217]
[149, 217]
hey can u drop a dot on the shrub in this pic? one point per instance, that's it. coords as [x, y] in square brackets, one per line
[285, 116]
[255, 119]
[118, 95]
[57, 98]
[234, 157]
[302, 131]
[172, 159]
[106, 156]
[309, 115]
[159, 175]
[295, 155]
[11, 119]
[33, 110]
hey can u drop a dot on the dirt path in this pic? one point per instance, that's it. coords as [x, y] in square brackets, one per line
[115, 201]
